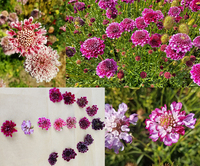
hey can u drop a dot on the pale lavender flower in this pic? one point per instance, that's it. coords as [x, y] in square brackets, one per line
[26, 127]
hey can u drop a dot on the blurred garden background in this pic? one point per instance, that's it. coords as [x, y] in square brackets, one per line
[143, 151]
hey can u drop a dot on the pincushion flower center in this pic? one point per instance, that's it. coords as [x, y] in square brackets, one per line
[7, 128]
[68, 153]
[115, 29]
[182, 37]
[140, 35]
[119, 123]
[25, 37]
[127, 21]
[167, 120]
[107, 65]
[92, 44]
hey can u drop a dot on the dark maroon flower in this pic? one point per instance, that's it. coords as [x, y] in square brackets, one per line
[155, 40]
[88, 140]
[111, 13]
[97, 124]
[8, 128]
[53, 158]
[69, 98]
[90, 34]
[68, 154]
[81, 42]
[159, 25]
[161, 67]
[84, 123]
[92, 20]
[70, 51]
[91, 111]
[192, 58]
[82, 102]
[120, 74]
[104, 36]
[186, 16]
[143, 74]
[82, 147]
[189, 63]
[85, 70]
[55, 95]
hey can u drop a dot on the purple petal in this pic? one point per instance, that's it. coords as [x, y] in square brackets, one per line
[133, 118]
[189, 121]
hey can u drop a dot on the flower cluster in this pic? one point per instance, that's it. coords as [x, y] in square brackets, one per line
[59, 124]
[26, 127]
[91, 111]
[82, 102]
[84, 123]
[68, 154]
[44, 123]
[8, 128]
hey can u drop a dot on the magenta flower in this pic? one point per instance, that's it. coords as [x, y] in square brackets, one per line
[180, 42]
[92, 47]
[186, 3]
[8, 128]
[27, 38]
[91, 111]
[127, 24]
[111, 13]
[71, 122]
[169, 124]
[43, 65]
[26, 127]
[155, 40]
[104, 4]
[55, 95]
[44, 123]
[196, 42]
[174, 11]
[82, 102]
[106, 68]
[69, 19]
[69, 98]
[59, 124]
[84, 123]
[147, 10]
[140, 24]
[128, 1]
[170, 53]
[195, 73]
[150, 17]
[140, 37]
[114, 30]
[79, 6]
[194, 5]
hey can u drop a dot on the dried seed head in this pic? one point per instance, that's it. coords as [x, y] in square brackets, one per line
[168, 22]
[165, 38]
[183, 28]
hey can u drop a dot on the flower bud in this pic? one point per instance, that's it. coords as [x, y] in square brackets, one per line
[165, 38]
[191, 22]
[183, 28]
[168, 22]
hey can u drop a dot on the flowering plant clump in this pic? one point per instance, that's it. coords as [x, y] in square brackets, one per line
[26, 127]
[44, 123]
[91, 111]
[71, 122]
[8, 128]
[84, 123]
[168, 124]
[53, 158]
[59, 124]
[55, 95]
[117, 127]
[68, 154]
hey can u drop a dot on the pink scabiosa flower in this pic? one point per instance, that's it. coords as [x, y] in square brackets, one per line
[8, 128]
[43, 65]
[69, 19]
[91, 111]
[7, 46]
[128, 1]
[127, 24]
[170, 53]
[195, 73]
[92, 47]
[140, 24]
[140, 37]
[104, 4]
[69, 98]
[71, 122]
[167, 75]
[146, 10]
[114, 30]
[111, 13]
[79, 6]
[117, 127]
[63, 28]
[44, 123]
[82, 102]
[174, 11]
[27, 38]
[160, 15]
[26, 127]
[84, 123]
[106, 68]
[169, 124]
[196, 42]
[155, 40]
[195, 5]
[55, 95]
[180, 42]
[150, 17]
[185, 3]
[59, 124]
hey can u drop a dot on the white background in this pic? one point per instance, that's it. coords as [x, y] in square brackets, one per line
[18, 104]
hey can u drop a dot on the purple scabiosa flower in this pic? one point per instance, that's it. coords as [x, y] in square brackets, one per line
[69, 98]
[88, 140]
[174, 11]
[140, 37]
[155, 40]
[97, 124]
[91, 111]
[69, 19]
[84, 123]
[70, 51]
[116, 125]
[26, 127]
[78, 21]
[53, 158]
[140, 24]
[128, 1]
[8, 128]
[92, 47]
[59, 124]
[82, 147]
[196, 42]
[185, 3]
[44, 123]
[8, 48]
[82, 102]
[111, 13]
[180, 42]
[127, 24]
[169, 124]
[79, 6]
[170, 53]
[104, 4]
[106, 68]
[195, 5]
[68, 154]
[159, 25]
[55, 95]
[71, 122]
[114, 30]
[195, 73]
